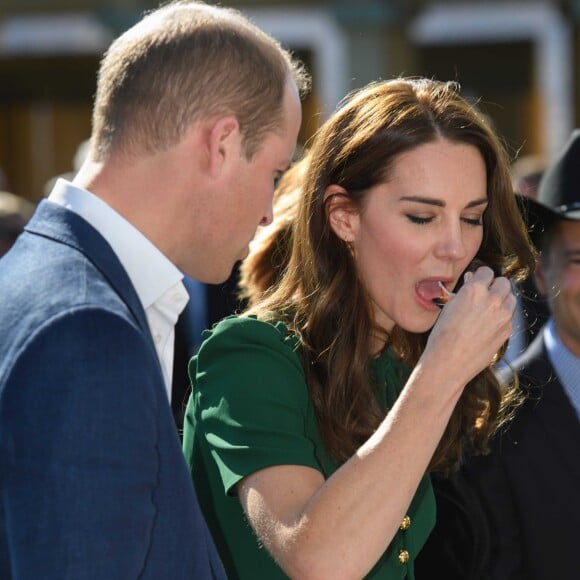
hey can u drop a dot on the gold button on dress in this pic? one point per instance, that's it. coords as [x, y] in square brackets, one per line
[405, 523]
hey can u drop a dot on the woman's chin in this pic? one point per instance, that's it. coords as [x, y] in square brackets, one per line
[420, 325]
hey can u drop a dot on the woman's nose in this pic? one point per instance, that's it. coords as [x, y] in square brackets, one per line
[451, 245]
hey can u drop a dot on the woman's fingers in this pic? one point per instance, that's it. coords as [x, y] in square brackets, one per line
[476, 323]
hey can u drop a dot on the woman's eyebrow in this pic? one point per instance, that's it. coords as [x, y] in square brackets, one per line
[440, 202]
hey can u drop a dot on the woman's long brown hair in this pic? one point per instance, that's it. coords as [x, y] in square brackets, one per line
[321, 297]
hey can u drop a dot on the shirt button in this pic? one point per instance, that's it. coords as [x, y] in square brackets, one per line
[405, 523]
[403, 557]
[157, 338]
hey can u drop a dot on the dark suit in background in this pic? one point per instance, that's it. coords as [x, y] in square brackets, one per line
[529, 483]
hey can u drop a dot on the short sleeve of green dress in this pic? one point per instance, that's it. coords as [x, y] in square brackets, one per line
[250, 409]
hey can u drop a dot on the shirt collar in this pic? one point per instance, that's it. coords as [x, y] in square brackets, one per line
[151, 273]
[565, 363]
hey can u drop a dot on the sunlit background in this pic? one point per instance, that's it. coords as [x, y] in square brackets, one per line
[516, 60]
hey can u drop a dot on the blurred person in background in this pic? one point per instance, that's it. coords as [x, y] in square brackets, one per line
[532, 310]
[78, 159]
[196, 114]
[529, 483]
[527, 172]
[15, 211]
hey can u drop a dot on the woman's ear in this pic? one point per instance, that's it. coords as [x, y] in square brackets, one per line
[342, 213]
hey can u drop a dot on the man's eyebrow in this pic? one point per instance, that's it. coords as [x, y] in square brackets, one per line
[440, 202]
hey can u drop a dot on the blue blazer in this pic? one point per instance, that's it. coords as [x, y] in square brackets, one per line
[93, 482]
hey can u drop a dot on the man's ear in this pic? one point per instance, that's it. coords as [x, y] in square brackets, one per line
[342, 214]
[223, 143]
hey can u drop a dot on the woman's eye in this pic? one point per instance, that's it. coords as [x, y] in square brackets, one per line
[418, 219]
[474, 221]
[421, 220]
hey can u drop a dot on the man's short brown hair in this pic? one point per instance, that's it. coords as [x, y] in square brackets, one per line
[185, 62]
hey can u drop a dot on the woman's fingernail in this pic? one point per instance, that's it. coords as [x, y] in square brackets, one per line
[468, 276]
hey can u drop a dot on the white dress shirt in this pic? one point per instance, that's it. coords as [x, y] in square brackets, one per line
[565, 363]
[156, 280]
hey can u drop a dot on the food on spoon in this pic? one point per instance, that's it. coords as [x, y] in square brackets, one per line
[444, 297]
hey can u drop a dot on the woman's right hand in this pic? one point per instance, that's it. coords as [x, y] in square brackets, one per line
[473, 325]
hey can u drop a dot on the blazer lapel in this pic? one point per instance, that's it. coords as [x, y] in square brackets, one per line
[56, 222]
[555, 413]
[560, 423]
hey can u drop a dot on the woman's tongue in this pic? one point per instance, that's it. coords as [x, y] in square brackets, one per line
[428, 289]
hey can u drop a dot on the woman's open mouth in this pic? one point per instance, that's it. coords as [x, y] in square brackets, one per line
[434, 291]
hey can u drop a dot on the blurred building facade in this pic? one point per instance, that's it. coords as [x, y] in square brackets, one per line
[516, 59]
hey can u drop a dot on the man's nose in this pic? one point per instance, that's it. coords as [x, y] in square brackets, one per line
[268, 217]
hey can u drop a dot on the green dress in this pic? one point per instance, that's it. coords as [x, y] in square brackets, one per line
[250, 409]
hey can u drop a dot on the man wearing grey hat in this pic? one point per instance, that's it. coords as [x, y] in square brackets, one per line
[529, 482]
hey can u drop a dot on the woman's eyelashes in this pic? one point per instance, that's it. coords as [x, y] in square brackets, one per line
[422, 220]
[418, 219]
[473, 221]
